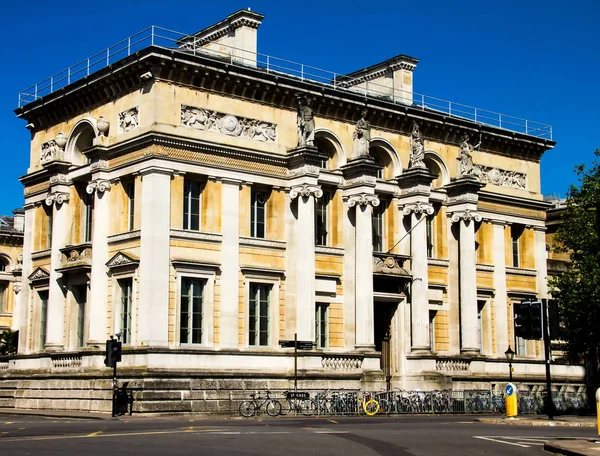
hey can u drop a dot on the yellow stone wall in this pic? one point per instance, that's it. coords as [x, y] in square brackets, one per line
[485, 241]
[442, 331]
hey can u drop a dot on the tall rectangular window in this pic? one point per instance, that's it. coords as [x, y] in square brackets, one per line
[49, 219]
[258, 313]
[88, 216]
[130, 191]
[321, 219]
[480, 307]
[430, 236]
[258, 203]
[377, 226]
[43, 295]
[322, 325]
[515, 234]
[80, 293]
[3, 287]
[432, 314]
[125, 286]
[192, 191]
[192, 297]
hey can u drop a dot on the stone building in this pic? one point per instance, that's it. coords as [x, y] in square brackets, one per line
[11, 244]
[206, 201]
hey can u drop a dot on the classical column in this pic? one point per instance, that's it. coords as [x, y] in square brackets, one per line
[55, 322]
[420, 281]
[19, 322]
[305, 259]
[364, 327]
[153, 304]
[467, 279]
[99, 278]
[230, 263]
[541, 265]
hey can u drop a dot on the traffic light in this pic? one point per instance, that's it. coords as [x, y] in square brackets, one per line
[535, 318]
[522, 313]
[113, 352]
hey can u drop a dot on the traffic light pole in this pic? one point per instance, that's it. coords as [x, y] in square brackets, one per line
[545, 327]
[114, 401]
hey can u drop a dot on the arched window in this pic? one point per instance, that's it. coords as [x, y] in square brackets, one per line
[3, 265]
[385, 155]
[379, 161]
[330, 145]
[81, 138]
[436, 166]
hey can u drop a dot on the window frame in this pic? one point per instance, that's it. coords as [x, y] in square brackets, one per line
[379, 214]
[208, 275]
[128, 272]
[430, 230]
[319, 313]
[516, 231]
[190, 318]
[43, 314]
[127, 333]
[130, 193]
[254, 212]
[322, 205]
[188, 199]
[87, 217]
[432, 317]
[3, 294]
[266, 277]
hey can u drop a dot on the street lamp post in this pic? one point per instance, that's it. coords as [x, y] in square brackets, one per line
[510, 354]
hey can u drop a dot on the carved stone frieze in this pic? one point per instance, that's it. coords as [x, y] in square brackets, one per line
[305, 169]
[306, 190]
[466, 216]
[59, 178]
[124, 236]
[463, 198]
[120, 260]
[420, 188]
[259, 242]
[50, 151]
[56, 198]
[98, 164]
[417, 208]
[228, 124]
[76, 255]
[39, 274]
[389, 264]
[359, 180]
[362, 199]
[501, 177]
[99, 186]
[341, 363]
[128, 120]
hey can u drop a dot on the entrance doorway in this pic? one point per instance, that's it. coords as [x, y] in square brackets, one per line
[383, 314]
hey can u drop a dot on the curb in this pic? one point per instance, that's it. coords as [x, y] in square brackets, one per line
[50, 414]
[519, 422]
[559, 447]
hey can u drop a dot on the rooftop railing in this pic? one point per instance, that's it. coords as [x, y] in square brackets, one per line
[156, 36]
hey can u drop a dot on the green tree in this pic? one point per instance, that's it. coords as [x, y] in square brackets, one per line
[8, 342]
[578, 289]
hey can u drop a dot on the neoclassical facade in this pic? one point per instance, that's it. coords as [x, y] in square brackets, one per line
[205, 207]
[11, 244]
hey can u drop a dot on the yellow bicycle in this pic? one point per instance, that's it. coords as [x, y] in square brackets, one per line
[368, 405]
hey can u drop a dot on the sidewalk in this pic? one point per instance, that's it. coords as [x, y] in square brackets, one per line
[565, 447]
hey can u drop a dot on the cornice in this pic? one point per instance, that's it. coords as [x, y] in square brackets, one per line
[513, 201]
[271, 89]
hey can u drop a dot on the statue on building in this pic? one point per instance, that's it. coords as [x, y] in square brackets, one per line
[362, 137]
[466, 166]
[417, 148]
[306, 124]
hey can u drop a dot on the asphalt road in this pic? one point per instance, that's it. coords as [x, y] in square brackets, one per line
[398, 436]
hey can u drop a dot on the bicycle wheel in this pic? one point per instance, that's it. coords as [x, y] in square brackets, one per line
[371, 407]
[286, 406]
[308, 407]
[273, 407]
[385, 406]
[247, 409]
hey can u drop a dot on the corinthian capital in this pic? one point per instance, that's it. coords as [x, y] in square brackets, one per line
[98, 185]
[363, 199]
[467, 215]
[306, 190]
[418, 208]
[56, 198]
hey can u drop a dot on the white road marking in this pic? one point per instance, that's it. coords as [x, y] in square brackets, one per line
[500, 441]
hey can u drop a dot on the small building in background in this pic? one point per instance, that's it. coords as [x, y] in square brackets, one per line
[11, 262]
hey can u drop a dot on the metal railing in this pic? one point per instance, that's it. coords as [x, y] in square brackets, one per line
[161, 37]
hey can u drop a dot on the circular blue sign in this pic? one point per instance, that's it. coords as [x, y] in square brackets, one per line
[509, 390]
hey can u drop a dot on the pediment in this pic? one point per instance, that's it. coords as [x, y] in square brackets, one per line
[121, 259]
[39, 274]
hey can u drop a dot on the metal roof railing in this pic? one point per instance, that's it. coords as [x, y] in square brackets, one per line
[157, 36]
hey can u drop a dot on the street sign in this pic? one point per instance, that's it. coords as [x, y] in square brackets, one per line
[509, 389]
[286, 343]
[301, 344]
[297, 395]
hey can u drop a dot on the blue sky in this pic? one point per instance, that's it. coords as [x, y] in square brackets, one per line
[534, 59]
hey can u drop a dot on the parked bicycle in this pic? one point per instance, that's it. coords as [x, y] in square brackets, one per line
[254, 406]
